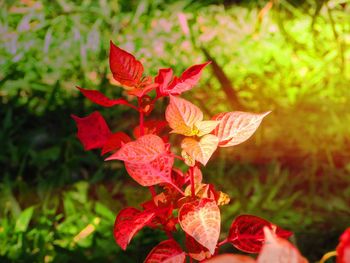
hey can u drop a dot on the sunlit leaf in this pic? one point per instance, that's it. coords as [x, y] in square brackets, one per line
[125, 68]
[93, 131]
[145, 149]
[236, 127]
[182, 115]
[201, 220]
[278, 250]
[201, 150]
[128, 222]
[246, 233]
[167, 251]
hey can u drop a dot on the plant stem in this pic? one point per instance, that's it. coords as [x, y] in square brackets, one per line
[179, 157]
[141, 117]
[178, 189]
[328, 256]
[152, 190]
[193, 191]
[223, 242]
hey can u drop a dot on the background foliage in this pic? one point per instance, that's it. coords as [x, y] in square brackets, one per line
[58, 202]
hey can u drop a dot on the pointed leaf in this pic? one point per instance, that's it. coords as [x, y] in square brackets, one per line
[278, 250]
[144, 150]
[167, 251]
[343, 249]
[200, 150]
[236, 127]
[93, 131]
[182, 115]
[163, 78]
[115, 141]
[231, 258]
[246, 233]
[100, 99]
[128, 222]
[187, 81]
[151, 173]
[201, 220]
[205, 127]
[125, 68]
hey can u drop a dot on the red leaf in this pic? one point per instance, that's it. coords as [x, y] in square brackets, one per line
[196, 250]
[187, 81]
[167, 251]
[151, 173]
[246, 233]
[236, 127]
[100, 99]
[343, 249]
[278, 250]
[115, 141]
[128, 222]
[231, 258]
[151, 127]
[144, 150]
[93, 130]
[201, 220]
[125, 68]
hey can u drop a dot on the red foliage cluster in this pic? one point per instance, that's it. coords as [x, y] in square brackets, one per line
[182, 201]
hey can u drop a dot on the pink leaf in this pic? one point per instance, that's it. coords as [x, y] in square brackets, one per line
[115, 141]
[236, 127]
[128, 222]
[343, 249]
[151, 173]
[144, 150]
[167, 251]
[201, 220]
[246, 233]
[125, 68]
[278, 250]
[93, 130]
[100, 99]
[231, 258]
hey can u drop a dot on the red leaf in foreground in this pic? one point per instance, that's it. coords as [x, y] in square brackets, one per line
[278, 250]
[151, 127]
[343, 249]
[115, 141]
[167, 251]
[201, 220]
[151, 173]
[144, 150]
[246, 233]
[231, 258]
[188, 79]
[124, 66]
[93, 130]
[100, 99]
[128, 222]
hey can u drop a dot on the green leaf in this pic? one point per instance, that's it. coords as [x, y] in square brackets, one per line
[24, 219]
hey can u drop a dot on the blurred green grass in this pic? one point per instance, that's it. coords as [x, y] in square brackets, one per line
[293, 60]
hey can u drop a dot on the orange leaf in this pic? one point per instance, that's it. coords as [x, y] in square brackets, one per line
[278, 250]
[236, 127]
[182, 116]
[201, 220]
[232, 258]
[200, 150]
